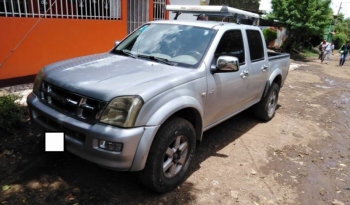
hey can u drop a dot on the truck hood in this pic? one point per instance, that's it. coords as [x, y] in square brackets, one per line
[106, 76]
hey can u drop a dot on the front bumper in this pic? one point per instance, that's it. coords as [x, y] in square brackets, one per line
[82, 138]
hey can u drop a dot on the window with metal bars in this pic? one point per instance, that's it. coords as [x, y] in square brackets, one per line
[67, 9]
[159, 10]
[138, 14]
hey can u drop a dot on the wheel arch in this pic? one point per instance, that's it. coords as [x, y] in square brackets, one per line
[185, 107]
[278, 80]
[275, 77]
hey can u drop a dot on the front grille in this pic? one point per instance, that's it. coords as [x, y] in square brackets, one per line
[77, 106]
[58, 127]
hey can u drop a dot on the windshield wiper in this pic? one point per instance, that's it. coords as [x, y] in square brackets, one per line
[162, 60]
[128, 53]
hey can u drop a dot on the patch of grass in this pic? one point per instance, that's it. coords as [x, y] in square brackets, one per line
[11, 113]
[308, 53]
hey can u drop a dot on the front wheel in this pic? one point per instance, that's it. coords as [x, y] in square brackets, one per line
[170, 155]
[265, 109]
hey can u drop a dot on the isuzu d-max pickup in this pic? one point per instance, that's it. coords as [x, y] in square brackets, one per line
[144, 105]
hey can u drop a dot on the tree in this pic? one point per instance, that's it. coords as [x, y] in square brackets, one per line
[343, 25]
[301, 18]
[339, 39]
[269, 35]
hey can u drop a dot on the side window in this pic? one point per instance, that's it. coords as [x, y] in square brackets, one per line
[255, 45]
[231, 44]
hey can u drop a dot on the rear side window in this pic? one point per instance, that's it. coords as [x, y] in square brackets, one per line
[255, 45]
[231, 44]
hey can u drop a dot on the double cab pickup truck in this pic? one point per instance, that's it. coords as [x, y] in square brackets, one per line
[144, 105]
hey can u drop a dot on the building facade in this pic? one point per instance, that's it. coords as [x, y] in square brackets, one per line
[35, 33]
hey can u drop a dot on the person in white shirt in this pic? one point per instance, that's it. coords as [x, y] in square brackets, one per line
[322, 49]
[327, 49]
[332, 46]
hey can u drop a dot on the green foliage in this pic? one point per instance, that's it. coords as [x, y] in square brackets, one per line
[343, 25]
[307, 17]
[341, 17]
[302, 18]
[10, 113]
[310, 53]
[339, 39]
[269, 35]
[5, 187]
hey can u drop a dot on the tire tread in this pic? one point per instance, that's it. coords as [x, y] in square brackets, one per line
[261, 109]
[147, 176]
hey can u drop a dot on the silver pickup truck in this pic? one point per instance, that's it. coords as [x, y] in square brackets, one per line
[144, 105]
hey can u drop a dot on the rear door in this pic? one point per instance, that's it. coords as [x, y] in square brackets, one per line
[258, 66]
[226, 91]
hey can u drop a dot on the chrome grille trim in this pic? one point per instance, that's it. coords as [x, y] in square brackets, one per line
[77, 106]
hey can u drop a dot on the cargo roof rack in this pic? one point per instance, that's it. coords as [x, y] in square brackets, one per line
[217, 11]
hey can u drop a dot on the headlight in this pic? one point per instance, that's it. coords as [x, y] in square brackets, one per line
[37, 82]
[122, 111]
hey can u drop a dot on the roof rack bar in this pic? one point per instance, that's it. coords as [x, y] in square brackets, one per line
[211, 11]
[177, 15]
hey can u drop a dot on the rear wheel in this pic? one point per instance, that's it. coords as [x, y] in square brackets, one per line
[265, 109]
[170, 155]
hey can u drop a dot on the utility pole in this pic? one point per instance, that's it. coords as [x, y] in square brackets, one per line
[335, 22]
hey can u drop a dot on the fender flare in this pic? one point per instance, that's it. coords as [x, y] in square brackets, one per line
[274, 74]
[272, 77]
[154, 123]
[174, 105]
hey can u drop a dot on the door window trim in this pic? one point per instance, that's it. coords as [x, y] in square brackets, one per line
[264, 56]
[244, 51]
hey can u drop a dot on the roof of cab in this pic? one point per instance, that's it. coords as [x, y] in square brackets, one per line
[204, 24]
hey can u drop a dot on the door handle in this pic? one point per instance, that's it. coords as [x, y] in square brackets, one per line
[244, 74]
[264, 68]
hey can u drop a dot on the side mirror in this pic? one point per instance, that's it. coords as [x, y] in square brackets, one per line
[226, 64]
[116, 43]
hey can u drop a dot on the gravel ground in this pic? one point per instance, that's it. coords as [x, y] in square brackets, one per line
[302, 156]
[21, 90]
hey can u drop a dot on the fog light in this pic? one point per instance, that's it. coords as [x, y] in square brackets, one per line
[111, 146]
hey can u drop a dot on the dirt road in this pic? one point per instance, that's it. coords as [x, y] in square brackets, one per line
[302, 156]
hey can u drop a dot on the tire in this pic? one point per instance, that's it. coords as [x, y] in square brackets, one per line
[265, 109]
[173, 135]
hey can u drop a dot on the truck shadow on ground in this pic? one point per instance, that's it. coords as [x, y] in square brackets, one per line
[63, 178]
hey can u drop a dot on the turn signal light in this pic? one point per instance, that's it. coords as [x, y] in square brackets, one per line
[111, 146]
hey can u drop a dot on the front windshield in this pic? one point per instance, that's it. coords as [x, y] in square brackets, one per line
[178, 44]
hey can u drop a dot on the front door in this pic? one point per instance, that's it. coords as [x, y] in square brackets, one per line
[226, 91]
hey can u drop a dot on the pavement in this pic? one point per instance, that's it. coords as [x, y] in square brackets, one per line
[22, 90]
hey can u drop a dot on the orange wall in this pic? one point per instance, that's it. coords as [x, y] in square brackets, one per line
[53, 40]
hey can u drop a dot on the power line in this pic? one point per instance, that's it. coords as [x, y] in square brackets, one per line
[26, 35]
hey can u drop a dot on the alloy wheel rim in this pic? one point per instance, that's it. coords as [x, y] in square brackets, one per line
[272, 104]
[175, 156]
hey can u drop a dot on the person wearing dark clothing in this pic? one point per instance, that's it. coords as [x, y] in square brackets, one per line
[344, 51]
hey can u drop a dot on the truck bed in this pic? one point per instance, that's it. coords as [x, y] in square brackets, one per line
[279, 61]
[274, 55]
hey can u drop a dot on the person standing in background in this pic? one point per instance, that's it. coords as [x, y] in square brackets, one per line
[322, 48]
[325, 50]
[332, 46]
[344, 51]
